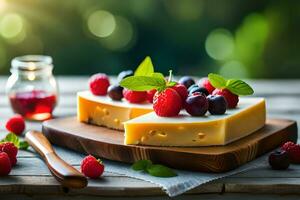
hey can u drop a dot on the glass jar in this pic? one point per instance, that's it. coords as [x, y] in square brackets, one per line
[32, 89]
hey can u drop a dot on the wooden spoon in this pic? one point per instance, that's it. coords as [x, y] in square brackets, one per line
[66, 174]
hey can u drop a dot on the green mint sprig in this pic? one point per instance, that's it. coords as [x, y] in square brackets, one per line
[11, 137]
[235, 86]
[153, 169]
[145, 68]
[144, 83]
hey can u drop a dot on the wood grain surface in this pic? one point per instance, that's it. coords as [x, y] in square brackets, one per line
[109, 144]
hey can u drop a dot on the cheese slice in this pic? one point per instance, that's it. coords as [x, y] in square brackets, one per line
[103, 111]
[185, 130]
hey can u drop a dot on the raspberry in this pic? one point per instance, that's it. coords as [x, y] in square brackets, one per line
[182, 91]
[99, 84]
[232, 99]
[293, 151]
[134, 96]
[150, 95]
[167, 103]
[5, 166]
[91, 167]
[16, 124]
[11, 150]
[205, 83]
[287, 145]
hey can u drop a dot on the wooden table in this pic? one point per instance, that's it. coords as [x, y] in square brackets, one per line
[31, 179]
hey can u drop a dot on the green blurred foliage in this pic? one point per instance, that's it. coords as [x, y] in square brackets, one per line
[255, 39]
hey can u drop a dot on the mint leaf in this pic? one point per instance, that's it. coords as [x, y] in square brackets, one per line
[158, 75]
[141, 165]
[11, 137]
[143, 83]
[217, 80]
[23, 145]
[160, 171]
[239, 87]
[153, 170]
[145, 68]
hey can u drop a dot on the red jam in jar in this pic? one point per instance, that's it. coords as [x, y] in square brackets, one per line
[31, 88]
[33, 105]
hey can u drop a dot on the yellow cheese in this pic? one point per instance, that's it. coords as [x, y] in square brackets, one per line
[102, 111]
[186, 130]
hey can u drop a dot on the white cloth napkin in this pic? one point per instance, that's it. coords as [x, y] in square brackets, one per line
[185, 180]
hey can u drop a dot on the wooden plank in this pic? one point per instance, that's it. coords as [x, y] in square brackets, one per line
[262, 185]
[106, 186]
[230, 196]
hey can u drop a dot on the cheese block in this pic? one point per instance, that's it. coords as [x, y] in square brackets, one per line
[103, 111]
[185, 130]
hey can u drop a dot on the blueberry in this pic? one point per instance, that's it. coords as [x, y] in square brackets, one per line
[187, 81]
[194, 89]
[279, 160]
[217, 104]
[196, 105]
[192, 86]
[124, 74]
[115, 92]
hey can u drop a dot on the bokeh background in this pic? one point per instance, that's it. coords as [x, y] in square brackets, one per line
[249, 38]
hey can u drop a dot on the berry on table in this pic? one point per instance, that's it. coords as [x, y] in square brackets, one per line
[124, 74]
[5, 166]
[182, 91]
[197, 88]
[205, 83]
[196, 104]
[167, 103]
[16, 124]
[279, 160]
[232, 99]
[187, 81]
[91, 167]
[134, 96]
[192, 86]
[150, 95]
[115, 92]
[293, 150]
[99, 83]
[217, 104]
[11, 150]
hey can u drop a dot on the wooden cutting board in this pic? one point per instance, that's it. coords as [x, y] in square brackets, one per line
[107, 143]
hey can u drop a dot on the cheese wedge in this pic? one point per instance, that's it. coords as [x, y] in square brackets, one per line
[185, 130]
[102, 111]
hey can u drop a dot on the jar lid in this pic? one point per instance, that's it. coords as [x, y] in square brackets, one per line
[31, 62]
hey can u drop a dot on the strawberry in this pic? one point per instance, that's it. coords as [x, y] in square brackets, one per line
[134, 96]
[150, 95]
[99, 83]
[293, 151]
[205, 83]
[5, 166]
[167, 103]
[182, 91]
[16, 124]
[232, 99]
[91, 167]
[11, 150]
